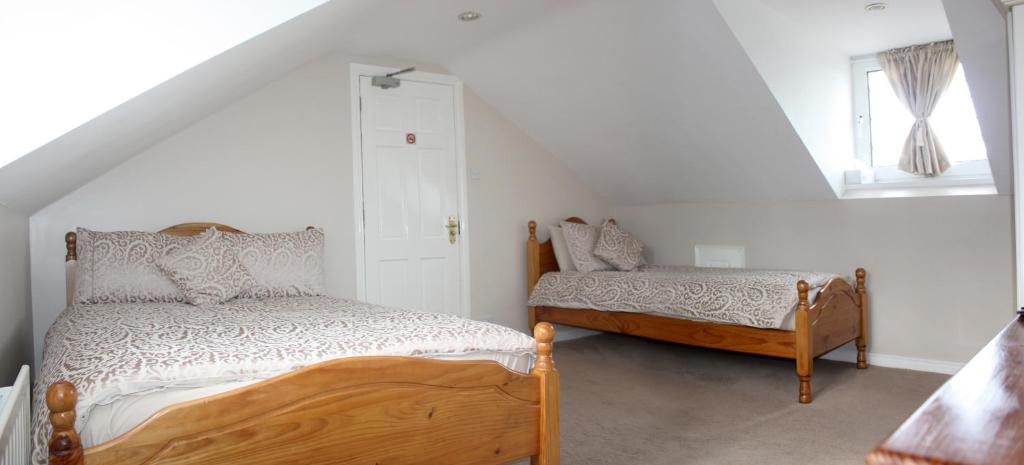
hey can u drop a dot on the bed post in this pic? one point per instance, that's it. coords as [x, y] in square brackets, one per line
[804, 360]
[532, 269]
[862, 338]
[65, 446]
[544, 369]
[71, 244]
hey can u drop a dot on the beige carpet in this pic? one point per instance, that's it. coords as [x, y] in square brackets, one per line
[630, 401]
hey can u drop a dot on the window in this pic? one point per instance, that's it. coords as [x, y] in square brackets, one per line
[882, 123]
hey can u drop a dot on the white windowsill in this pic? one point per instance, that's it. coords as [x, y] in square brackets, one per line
[923, 187]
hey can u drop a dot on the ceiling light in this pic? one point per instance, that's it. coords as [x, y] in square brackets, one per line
[469, 16]
[877, 6]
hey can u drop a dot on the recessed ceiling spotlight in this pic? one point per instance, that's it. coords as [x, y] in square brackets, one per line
[469, 16]
[877, 6]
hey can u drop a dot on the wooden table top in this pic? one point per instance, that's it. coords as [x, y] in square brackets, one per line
[976, 418]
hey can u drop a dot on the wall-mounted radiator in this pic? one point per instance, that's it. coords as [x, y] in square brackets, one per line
[15, 448]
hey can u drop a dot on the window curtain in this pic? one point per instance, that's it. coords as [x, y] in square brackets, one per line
[919, 75]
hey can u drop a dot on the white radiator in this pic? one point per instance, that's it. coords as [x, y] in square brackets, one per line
[15, 447]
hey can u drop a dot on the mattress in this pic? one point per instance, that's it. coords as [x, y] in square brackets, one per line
[130, 360]
[747, 297]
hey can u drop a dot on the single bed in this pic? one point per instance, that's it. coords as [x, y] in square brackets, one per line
[794, 315]
[289, 380]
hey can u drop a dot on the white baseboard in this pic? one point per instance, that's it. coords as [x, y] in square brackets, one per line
[898, 361]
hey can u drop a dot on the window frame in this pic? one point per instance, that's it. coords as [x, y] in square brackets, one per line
[973, 171]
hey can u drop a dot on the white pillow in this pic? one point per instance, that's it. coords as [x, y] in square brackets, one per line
[581, 240]
[561, 249]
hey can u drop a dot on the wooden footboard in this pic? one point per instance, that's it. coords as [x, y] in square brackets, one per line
[365, 410]
[837, 316]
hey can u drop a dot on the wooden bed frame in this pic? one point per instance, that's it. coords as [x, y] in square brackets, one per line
[838, 315]
[357, 410]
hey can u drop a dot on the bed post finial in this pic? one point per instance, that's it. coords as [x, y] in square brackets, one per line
[544, 333]
[65, 446]
[804, 361]
[862, 337]
[544, 369]
[71, 241]
[533, 230]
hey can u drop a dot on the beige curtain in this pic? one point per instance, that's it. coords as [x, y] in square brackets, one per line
[920, 74]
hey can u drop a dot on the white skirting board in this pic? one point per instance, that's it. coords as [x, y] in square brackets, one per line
[898, 361]
[567, 333]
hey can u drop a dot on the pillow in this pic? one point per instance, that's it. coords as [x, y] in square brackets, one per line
[618, 248]
[120, 267]
[282, 264]
[561, 249]
[208, 271]
[581, 240]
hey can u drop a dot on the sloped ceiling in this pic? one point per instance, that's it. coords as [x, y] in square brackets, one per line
[979, 29]
[363, 27]
[652, 103]
[649, 104]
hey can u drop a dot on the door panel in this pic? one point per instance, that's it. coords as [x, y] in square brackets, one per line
[410, 188]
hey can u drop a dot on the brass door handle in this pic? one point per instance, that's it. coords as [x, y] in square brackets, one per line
[453, 229]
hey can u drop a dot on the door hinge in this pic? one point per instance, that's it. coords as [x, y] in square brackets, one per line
[360, 104]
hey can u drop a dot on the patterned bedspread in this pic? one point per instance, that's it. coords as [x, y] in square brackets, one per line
[759, 298]
[109, 351]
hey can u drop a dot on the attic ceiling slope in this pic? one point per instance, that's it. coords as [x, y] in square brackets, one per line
[979, 30]
[48, 173]
[648, 105]
[68, 61]
[346, 26]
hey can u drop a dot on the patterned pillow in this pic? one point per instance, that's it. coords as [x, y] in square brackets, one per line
[282, 264]
[618, 248]
[208, 271]
[581, 239]
[120, 267]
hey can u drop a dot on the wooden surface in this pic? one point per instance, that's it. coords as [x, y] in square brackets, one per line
[976, 418]
[772, 342]
[837, 316]
[194, 229]
[360, 410]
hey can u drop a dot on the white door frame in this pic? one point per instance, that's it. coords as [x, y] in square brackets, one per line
[355, 72]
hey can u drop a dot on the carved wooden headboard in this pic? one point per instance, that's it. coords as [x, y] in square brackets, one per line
[71, 245]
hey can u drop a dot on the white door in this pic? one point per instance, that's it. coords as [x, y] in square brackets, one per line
[410, 195]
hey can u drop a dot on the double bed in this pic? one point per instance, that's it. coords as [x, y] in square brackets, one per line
[793, 315]
[310, 379]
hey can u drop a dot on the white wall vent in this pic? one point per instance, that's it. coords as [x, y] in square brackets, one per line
[720, 256]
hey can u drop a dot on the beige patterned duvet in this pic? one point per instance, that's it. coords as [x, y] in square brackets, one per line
[758, 298]
[115, 351]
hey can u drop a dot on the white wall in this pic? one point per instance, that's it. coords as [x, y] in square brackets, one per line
[940, 269]
[15, 316]
[280, 159]
[809, 78]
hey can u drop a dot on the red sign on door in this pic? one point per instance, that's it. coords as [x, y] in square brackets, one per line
[410, 138]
